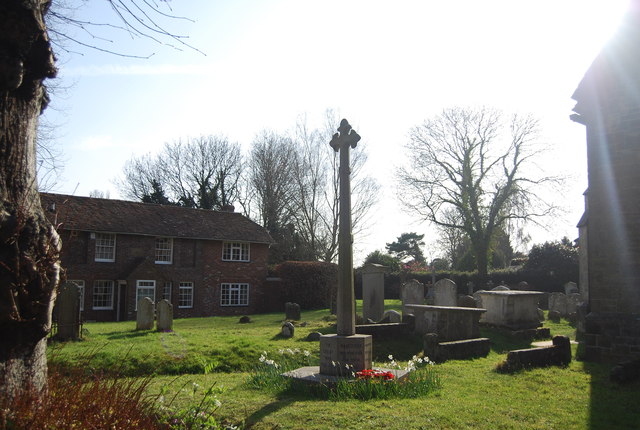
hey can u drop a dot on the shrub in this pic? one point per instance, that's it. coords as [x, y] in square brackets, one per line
[311, 284]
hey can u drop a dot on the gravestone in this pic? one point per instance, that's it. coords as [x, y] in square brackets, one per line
[373, 291]
[445, 293]
[411, 293]
[573, 301]
[292, 311]
[570, 288]
[478, 298]
[466, 301]
[165, 316]
[558, 303]
[68, 312]
[391, 316]
[145, 314]
[500, 288]
[287, 330]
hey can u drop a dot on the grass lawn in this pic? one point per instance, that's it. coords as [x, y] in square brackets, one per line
[472, 394]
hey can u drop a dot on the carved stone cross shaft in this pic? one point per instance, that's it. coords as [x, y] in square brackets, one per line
[341, 141]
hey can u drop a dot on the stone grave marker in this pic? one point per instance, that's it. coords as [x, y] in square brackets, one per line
[165, 316]
[145, 314]
[411, 293]
[558, 303]
[570, 288]
[287, 329]
[68, 312]
[445, 293]
[573, 301]
[373, 291]
[292, 311]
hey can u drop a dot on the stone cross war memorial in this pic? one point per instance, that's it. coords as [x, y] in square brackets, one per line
[345, 351]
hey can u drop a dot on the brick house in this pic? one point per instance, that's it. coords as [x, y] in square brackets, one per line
[608, 105]
[204, 262]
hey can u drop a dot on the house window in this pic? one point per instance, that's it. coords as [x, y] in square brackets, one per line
[164, 250]
[145, 289]
[234, 295]
[105, 247]
[102, 295]
[185, 295]
[80, 285]
[166, 291]
[235, 251]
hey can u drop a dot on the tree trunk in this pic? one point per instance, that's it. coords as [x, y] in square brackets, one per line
[29, 245]
[482, 261]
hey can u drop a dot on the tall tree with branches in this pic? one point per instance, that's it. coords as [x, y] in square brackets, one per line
[201, 172]
[29, 244]
[475, 162]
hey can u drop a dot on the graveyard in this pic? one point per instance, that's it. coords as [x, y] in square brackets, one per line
[472, 394]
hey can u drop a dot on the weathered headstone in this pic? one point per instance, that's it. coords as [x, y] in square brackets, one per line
[145, 314]
[573, 301]
[292, 311]
[500, 288]
[314, 336]
[411, 293]
[558, 303]
[478, 297]
[445, 293]
[391, 316]
[570, 288]
[68, 312]
[373, 291]
[466, 301]
[164, 320]
[287, 330]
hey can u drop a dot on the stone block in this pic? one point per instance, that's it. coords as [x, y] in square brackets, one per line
[559, 354]
[341, 355]
[454, 350]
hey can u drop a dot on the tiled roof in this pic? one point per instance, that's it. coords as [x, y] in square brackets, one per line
[119, 216]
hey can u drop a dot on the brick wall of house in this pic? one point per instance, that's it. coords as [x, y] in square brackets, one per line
[196, 261]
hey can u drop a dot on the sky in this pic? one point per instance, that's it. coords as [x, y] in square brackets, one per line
[385, 66]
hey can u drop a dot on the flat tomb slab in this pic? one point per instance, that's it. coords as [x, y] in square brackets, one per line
[312, 375]
[514, 309]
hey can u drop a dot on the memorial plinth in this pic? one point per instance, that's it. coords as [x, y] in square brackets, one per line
[342, 355]
[448, 322]
[513, 309]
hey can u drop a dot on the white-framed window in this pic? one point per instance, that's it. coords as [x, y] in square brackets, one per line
[185, 295]
[105, 247]
[145, 289]
[235, 251]
[164, 250]
[166, 290]
[103, 295]
[234, 294]
[80, 285]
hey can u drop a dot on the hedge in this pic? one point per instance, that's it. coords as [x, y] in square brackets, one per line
[311, 284]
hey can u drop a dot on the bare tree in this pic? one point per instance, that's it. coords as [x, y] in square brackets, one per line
[462, 161]
[202, 172]
[29, 245]
[315, 206]
[270, 175]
